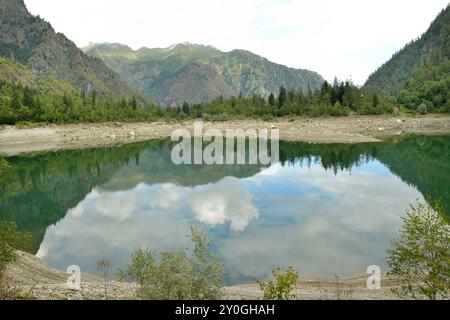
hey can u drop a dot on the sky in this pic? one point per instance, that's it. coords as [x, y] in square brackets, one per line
[348, 38]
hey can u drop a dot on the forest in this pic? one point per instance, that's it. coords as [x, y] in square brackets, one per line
[22, 104]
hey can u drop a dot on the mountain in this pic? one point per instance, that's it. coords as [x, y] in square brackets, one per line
[32, 42]
[197, 73]
[13, 72]
[420, 72]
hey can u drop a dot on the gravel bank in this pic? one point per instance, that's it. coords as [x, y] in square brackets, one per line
[36, 280]
[353, 129]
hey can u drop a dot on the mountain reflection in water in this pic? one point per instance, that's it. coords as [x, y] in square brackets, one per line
[325, 209]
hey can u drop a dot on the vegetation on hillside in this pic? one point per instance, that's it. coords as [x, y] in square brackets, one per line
[419, 74]
[32, 42]
[44, 77]
[17, 73]
[199, 74]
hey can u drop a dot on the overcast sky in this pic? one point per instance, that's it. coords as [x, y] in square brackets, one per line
[346, 38]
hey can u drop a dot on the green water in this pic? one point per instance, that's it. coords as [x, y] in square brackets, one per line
[325, 209]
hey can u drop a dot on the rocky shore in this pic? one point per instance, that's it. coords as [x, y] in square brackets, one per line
[31, 278]
[15, 140]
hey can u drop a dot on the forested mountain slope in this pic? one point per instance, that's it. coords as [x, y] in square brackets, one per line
[420, 72]
[32, 42]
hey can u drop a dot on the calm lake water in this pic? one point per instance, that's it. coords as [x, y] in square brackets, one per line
[325, 209]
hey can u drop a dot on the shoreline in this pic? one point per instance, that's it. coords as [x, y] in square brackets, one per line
[353, 129]
[37, 281]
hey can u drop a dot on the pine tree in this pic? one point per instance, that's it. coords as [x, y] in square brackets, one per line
[134, 104]
[186, 108]
[282, 98]
[272, 99]
[15, 101]
[291, 96]
[375, 101]
[83, 97]
[123, 103]
[28, 98]
[94, 98]
[67, 101]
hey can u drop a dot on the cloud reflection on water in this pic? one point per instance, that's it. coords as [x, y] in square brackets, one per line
[319, 222]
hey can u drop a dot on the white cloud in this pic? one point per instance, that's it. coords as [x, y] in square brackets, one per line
[348, 38]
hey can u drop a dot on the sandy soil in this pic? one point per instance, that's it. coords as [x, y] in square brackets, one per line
[353, 129]
[36, 280]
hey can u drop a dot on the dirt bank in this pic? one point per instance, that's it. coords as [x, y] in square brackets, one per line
[36, 280]
[353, 129]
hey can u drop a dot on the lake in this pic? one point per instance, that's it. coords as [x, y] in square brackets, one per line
[324, 209]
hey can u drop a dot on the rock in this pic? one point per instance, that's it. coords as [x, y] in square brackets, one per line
[380, 129]
[398, 121]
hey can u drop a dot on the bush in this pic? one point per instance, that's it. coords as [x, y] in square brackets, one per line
[338, 110]
[3, 163]
[11, 240]
[177, 275]
[8, 240]
[267, 118]
[420, 257]
[282, 286]
[422, 109]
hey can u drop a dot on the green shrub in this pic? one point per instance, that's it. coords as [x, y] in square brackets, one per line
[338, 110]
[182, 274]
[422, 109]
[282, 286]
[420, 257]
[3, 163]
[8, 241]
[267, 117]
